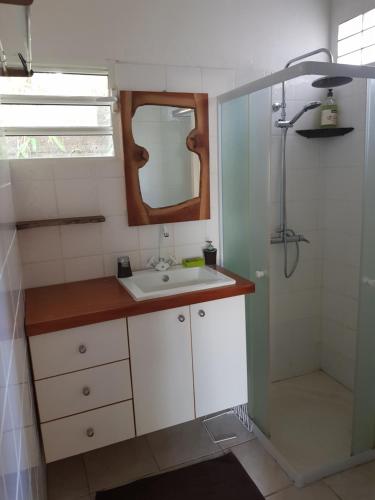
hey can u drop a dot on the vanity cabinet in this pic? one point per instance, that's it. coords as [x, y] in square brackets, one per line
[218, 330]
[83, 386]
[107, 382]
[160, 347]
[188, 362]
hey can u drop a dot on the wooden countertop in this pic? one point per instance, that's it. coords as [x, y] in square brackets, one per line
[69, 305]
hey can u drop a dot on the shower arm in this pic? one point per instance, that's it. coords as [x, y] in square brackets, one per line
[294, 60]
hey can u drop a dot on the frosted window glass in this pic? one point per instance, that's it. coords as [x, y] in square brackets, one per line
[369, 19]
[350, 44]
[351, 27]
[353, 58]
[368, 37]
[368, 55]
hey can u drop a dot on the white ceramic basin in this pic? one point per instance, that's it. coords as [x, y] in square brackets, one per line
[150, 284]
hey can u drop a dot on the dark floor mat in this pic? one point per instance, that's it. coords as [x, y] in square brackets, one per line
[222, 478]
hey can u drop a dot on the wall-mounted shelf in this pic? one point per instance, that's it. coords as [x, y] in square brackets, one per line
[324, 132]
[28, 224]
[17, 2]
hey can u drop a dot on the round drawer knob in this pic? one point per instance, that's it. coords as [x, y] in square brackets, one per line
[201, 313]
[82, 348]
[90, 432]
[86, 391]
[181, 318]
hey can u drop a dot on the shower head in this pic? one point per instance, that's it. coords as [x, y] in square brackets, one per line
[328, 82]
[308, 107]
[312, 105]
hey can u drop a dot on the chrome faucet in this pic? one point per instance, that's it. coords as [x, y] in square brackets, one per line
[161, 264]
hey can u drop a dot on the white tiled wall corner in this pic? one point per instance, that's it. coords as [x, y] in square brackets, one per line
[342, 168]
[91, 186]
[324, 198]
[20, 458]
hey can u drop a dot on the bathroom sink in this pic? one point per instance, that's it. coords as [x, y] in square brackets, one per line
[150, 284]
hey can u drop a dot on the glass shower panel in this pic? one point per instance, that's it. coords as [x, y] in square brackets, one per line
[364, 404]
[245, 138]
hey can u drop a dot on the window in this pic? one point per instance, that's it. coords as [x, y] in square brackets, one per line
[54, 115]
[356, 40]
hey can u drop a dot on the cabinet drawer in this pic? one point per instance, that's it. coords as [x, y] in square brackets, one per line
[84, 390]
[78, 348]
[87, 431]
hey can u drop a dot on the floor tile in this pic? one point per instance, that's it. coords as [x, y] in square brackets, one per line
[180, 444]
[66, 479]
[261, 467]
[354, 484]
[229, 424]
[318, 491]
[311, 420]
[119, 464]
[195, 461]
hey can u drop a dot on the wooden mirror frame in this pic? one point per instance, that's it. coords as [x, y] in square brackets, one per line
[136, 156]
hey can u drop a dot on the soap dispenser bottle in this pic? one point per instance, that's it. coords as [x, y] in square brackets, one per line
[210, 253]
[328, 117]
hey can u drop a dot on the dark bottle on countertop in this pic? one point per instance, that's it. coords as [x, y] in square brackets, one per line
[210, 253]
[123, 267]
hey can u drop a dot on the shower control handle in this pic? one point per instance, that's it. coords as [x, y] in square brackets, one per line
[260, 274]
[369, 282]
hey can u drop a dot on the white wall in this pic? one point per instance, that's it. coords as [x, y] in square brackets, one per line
[295, 303]
[198, 46]
[225, 33]
[21, 469]
[74, 187]
[316, 310]
[342, 169]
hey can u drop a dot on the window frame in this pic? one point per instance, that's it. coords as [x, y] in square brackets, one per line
[57, 100]
[362, 46]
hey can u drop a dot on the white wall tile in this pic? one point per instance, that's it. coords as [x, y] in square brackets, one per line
[36, 199]
[217, 81]
[69, 168]
[341, 278]
[40, 244]
[109, 168]
[184, 79]
[186, 233]
[77, 197]
[80, 240]
[16, 409]
[343, 310]
[152, 236]
[112, 198]
[117, 236]
[32, 170]
[44, 273]
[84, 268]
[141, 77]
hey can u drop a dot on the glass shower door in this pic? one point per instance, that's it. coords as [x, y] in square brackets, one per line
[245, 136]
[364, 402]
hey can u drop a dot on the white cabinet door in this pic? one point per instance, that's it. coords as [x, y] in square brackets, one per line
[219, 354]
[160, 353]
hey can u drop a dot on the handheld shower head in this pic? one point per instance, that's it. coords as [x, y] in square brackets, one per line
[308, 107]
[312, 105]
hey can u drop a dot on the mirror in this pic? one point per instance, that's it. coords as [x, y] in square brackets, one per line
[165, 138]
[171, 175]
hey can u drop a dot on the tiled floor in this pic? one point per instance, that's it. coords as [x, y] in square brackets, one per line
[311, 420]
[79, 477]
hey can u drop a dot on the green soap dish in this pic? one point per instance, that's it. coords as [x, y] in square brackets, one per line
[193, 262]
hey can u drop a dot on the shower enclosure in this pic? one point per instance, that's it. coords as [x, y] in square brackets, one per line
[310, 332]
